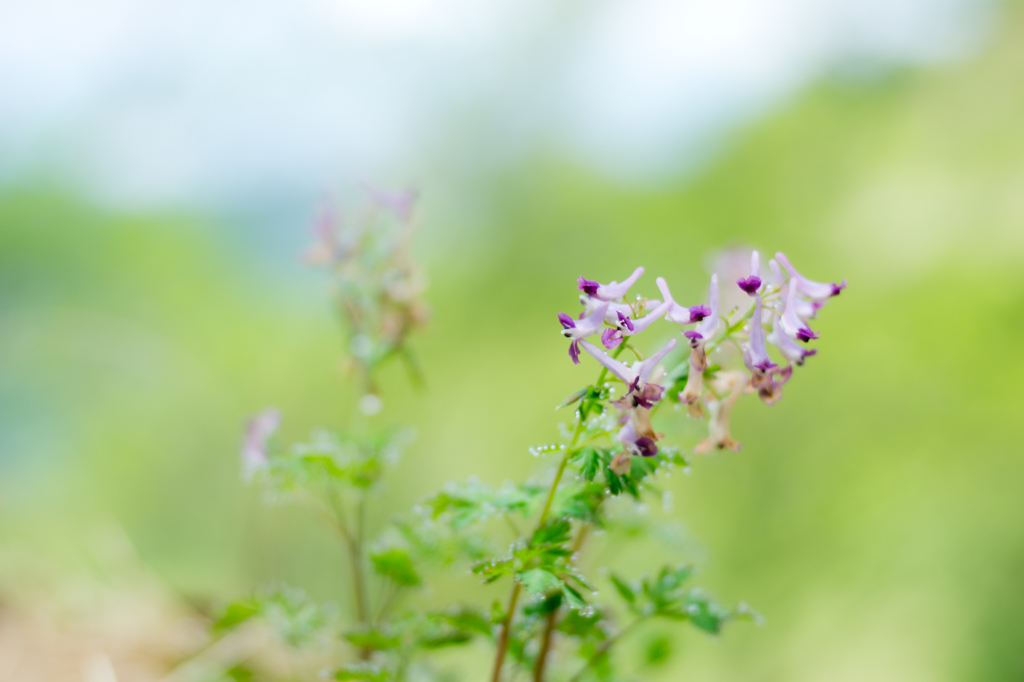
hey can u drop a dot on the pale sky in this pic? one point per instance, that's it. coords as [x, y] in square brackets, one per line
[177, 101]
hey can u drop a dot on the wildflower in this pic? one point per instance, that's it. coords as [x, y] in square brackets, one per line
[401, 202]
[769, 384]
[641, 393]
[789, 348]
[816, 291]
[611, 338]
[258, 431]
[792, 325]
[642, 442]
[612, 291]
[580, 329]
[755, 355]
[325, 247]
[691, 393]
[678, 313]
[752, 283]
[726, 386]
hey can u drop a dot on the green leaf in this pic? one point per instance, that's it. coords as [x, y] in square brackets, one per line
[361, 672]
[538, 581]
[552, 533]
[467, 619]
[572, 597]
[372, 639]
[658, 650]
[591, 463]
[492, 570]
[396, 564]
[443, 639]
[623, 588]
[573, 398]
[235, 614]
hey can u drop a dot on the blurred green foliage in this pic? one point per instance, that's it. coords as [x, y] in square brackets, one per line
[873, 516]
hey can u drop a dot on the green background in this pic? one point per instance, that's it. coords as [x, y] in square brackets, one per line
[875, 515]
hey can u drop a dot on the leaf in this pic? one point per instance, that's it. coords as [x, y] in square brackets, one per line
[396, 564]
[538, 581]
[573, 597]
[235, 614]
[467, 619]
[658, 650]
[372, 639]
[440, 640]
[624, 590]
[552, 533]
[492, 570]
[361, 672]
[573, 398]
[591, 463]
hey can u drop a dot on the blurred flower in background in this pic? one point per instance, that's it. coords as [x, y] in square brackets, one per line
[161, 164]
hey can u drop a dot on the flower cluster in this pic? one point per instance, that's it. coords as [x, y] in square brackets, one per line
[378, 284]
[776, 310]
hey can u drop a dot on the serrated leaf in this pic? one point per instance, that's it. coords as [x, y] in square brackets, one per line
[396, 564]
[538, 581]
[552, 533]
[591, 463]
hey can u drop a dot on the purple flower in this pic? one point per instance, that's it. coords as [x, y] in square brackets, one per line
[709, 319]
[816, 291]
[752, 283]
[611, 338]
[755, 354]
[640, 392]
[258, 431]
[789, 348]
[792, 325]
[401, 202]
[580, 329]
[612, 291]
[706, 314]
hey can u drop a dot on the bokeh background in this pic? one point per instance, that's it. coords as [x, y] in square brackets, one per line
[160, 166]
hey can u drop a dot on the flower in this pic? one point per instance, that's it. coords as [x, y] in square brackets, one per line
[755, 355]
[792, 325]
[580, 329]
[325, 248]
[789, 348]
[678, 313]
[613, 337]
[728, 385]
[401, 202]
[641, 393]
[612, 291]
[816, 291]
[258, 431]
[752, 283]
[769, 384]
[708, 314]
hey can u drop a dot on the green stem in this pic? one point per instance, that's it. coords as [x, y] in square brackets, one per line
[506, 626]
